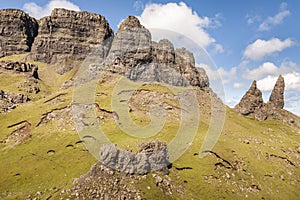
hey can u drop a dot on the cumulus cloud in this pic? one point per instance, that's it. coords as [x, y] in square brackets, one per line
[219, 74]
[38, 12]
[238, 85]
[292, 82]
[269, 68]
[261, 48]
[181, 19]
[276, 19]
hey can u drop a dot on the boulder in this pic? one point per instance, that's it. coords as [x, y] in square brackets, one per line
[151, 156]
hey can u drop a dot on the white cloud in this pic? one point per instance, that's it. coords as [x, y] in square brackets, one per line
[238, 85]
[269, 68]
[276, 19]
[138, 5]
[261, 48]
[219, 74]
[252, 19]
[38, 12]
[181, 19]
[292, 82]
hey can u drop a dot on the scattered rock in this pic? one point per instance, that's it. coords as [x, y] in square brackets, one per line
[20, 67]
[102, 182]
[9, 101]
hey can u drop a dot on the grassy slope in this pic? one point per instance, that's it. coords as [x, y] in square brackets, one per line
[246, 144]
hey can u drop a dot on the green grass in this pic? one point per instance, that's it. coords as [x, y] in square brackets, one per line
[27, 168]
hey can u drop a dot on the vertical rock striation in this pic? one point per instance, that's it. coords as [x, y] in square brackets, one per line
[17, 32]
[134, 55]
[251, 101]
[277, 96]
[70, 36]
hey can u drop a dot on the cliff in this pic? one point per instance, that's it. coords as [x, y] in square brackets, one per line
[67, 36]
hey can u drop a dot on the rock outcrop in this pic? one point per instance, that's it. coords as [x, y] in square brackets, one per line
[151, 156]
[9, 101]
[17, 32]
[134, 55]
[277, 96]
[251, 101]
[20, 67]
[67, 36]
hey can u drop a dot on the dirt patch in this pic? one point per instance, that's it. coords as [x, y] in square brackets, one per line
[19, 135]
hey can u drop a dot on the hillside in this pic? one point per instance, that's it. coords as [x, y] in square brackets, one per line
[65, 78]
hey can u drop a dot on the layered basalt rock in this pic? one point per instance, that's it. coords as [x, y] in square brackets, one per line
[67, 36]
[17, 32]
[134, 55]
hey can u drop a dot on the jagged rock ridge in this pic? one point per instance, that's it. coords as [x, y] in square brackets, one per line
[140, 59]
[67, 36]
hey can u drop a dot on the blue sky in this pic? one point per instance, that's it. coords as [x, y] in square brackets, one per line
[247, 40]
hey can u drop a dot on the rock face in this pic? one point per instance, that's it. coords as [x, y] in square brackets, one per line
[277, 96]
[251, 101]
[134, 55]
[151, 156]
[69, 35]
[17, 32]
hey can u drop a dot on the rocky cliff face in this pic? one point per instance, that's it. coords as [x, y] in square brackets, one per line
[69, 36]
[138, 58]
[17, 32]
[277, 96]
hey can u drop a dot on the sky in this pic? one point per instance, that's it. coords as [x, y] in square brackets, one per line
[246, 40]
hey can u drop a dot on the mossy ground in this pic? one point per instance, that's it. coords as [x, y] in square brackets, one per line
[260, 153]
